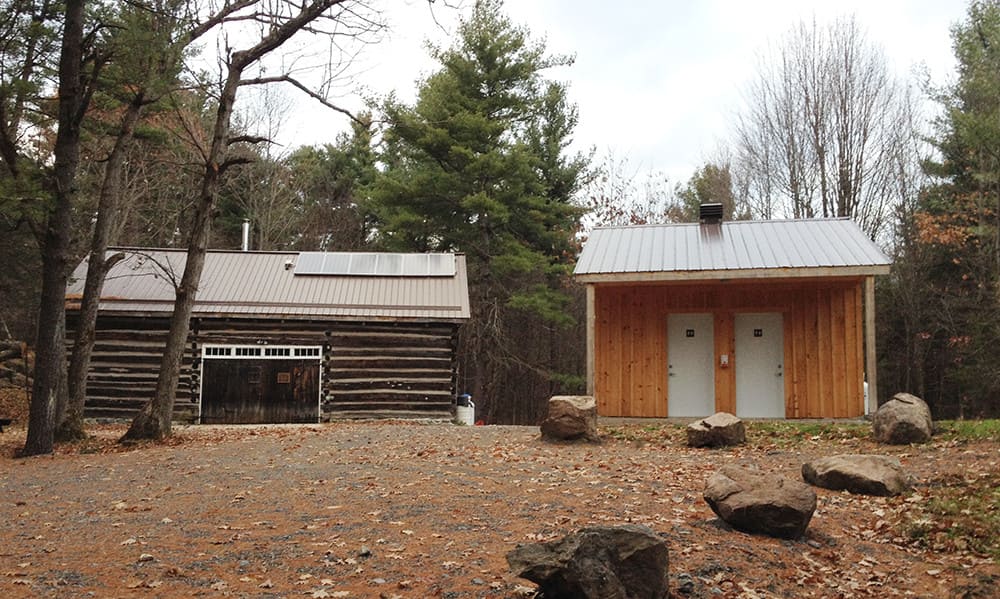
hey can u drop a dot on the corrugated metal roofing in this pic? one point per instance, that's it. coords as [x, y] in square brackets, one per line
[260, 284]
[760, 248]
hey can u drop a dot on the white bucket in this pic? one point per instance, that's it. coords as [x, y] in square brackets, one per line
[466, 414]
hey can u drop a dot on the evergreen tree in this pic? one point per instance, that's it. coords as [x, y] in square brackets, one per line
[329, 180]
[954, 235]
[478, 165]
[711, 183]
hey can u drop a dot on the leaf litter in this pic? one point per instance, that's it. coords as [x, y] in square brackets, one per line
[400, 509]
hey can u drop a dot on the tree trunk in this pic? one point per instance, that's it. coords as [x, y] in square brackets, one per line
[70, 425]
[154, 420]
[50, 350]
[60, 367]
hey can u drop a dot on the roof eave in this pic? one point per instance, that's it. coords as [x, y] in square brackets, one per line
[732, 274]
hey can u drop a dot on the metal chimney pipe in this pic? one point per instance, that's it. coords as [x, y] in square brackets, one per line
[246, 234]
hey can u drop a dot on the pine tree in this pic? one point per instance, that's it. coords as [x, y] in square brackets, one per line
[957, 228]
[478, 165]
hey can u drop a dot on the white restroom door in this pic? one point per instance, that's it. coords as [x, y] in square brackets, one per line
[691, 365]
[760, 361]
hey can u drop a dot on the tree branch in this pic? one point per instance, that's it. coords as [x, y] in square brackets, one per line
[316, 96]
[218, 18]
[234, 162]
[250, 139]
[279, 34]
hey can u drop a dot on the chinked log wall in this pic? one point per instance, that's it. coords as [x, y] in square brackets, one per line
[823, 343]
[370, 369]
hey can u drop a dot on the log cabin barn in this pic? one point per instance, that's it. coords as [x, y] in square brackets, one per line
[281, 337]
[762, 319]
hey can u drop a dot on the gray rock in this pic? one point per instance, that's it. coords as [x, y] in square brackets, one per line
[571, 418]
[685, 584]
[902, 420]
[860, 474]
[619, 562]
[718, 430]
[760, 503]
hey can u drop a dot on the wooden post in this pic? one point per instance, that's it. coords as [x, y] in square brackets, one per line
[870, 356]
[590, 340]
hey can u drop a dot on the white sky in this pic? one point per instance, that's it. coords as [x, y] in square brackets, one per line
[655, 82]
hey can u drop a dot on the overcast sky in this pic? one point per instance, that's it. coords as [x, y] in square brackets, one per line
[657, 82]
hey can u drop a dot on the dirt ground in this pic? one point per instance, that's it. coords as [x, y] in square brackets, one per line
[429, 510]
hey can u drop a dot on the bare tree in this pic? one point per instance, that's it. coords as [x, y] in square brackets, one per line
[277, 21]
[619, 193]
[822, 129]
[263, 191]
[141, 78]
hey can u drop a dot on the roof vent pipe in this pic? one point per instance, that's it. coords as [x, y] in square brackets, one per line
[246, 234]
[710, 214]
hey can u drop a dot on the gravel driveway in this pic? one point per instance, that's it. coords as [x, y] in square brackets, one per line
[419, 510]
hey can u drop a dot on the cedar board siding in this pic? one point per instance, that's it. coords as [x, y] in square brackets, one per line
[823, 343]
[369, 369]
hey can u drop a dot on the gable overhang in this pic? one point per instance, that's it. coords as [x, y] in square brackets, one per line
[733, 274]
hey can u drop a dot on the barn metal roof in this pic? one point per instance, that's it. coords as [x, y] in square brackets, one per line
[738, 249]
[264, 284]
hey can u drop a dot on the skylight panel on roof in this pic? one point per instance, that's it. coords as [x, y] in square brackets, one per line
[310, 263]
[414, 264]
[372, 264]
[336, 263]
[361, 264]
[389, 265]
[439, 265]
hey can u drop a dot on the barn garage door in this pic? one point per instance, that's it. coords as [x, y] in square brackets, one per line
[260, 384]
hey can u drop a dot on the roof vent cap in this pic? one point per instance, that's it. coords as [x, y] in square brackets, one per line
[709, 214]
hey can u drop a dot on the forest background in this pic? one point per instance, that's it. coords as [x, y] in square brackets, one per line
[116, 129]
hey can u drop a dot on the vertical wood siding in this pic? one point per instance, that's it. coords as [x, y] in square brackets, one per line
[823, 339]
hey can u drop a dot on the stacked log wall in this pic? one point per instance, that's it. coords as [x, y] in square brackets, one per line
[391, 369]
[124, 366]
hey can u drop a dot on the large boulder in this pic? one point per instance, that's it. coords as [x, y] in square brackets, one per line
[718, 430]
[760, 503]
[571, 418]
[860, 474]
[902, 420]
[616, 562]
